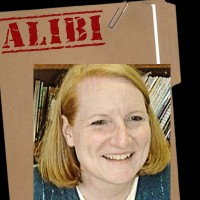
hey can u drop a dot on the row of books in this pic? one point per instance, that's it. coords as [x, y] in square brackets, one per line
[44, 98]
[158, 87]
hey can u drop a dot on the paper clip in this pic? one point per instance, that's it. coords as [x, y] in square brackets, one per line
[118, 14]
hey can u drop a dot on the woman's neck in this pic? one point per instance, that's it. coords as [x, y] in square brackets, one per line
[98, 190]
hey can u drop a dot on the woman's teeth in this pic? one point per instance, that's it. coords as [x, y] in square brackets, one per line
[117, 156]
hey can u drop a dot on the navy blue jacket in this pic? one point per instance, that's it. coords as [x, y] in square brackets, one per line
[154, 187]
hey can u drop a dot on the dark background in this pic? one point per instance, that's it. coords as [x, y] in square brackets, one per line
[185, 99]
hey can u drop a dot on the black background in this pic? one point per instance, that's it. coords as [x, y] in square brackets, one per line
[185, 101]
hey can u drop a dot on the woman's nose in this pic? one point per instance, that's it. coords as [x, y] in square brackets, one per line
[120, 137]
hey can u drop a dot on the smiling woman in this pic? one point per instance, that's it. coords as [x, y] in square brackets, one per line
[104, 141]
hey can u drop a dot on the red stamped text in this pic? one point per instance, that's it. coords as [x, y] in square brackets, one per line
[53, 31]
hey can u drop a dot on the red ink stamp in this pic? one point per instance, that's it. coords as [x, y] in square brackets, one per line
[51, 32]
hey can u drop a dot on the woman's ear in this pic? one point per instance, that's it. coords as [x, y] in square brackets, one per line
[67, 132]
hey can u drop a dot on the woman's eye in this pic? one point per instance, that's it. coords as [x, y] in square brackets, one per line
[99, 122]
[135, 118]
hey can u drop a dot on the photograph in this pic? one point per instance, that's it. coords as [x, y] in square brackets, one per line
[101, 131]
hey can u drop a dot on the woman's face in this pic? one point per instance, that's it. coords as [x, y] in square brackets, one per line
[111, 133]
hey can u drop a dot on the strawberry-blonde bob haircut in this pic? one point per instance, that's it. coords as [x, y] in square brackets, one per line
[57, 162]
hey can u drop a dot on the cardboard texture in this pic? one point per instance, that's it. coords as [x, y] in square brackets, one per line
[23, 44]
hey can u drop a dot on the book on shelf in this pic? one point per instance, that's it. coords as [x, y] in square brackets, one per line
[35, 108]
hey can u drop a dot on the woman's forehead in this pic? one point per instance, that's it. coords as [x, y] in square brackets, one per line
[106, 80]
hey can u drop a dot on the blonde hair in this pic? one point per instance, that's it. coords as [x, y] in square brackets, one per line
[57, 161]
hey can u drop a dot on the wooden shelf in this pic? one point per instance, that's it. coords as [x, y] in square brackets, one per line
[52, 74]
[52, 66]
[67, 66]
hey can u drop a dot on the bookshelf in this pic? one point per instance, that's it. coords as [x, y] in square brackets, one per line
[48, 77]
